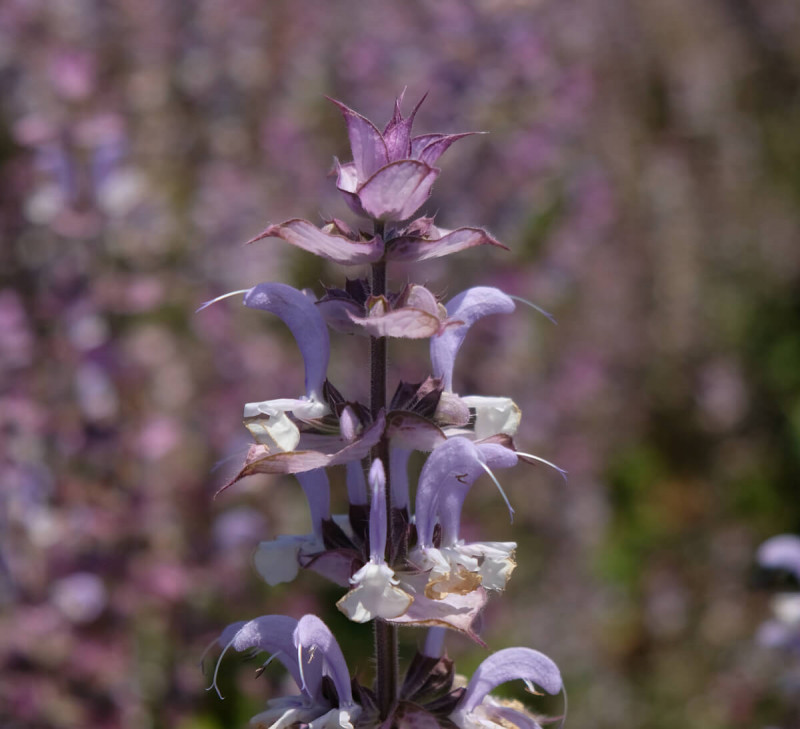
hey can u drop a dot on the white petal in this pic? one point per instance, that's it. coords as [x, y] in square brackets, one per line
[270, 426]
[276, 561]
[496, 561]
[336, 719]
[493, 415]
[374, 595]
[786, 607]
[284, 712]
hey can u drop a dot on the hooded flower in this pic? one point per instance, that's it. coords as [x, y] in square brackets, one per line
[492, 415]
[310, 653]
[452, 565]
[477, 709]
[375, 592]
[313, 431]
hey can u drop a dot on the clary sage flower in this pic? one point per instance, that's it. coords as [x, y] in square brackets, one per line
[399, 561]
[310, 653]
[782, 553]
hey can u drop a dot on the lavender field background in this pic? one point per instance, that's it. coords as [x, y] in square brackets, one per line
[643, 166]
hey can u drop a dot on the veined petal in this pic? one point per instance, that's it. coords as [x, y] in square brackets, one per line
[469, 306]
[416, 248]
[493, 415]
[375, 594]
[397, 134]
[347, 184]
[509, 664]
[781, 552]
[429, 147]
[407, 323]
[437, 147]
[305, 322]
[458, 612]
[396, 191]
[366, 142]
[332, 247]
[312, 637]
[346, 177]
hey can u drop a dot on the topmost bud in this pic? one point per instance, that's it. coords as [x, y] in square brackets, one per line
[392, 173]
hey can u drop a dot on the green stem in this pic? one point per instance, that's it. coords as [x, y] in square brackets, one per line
[386, 653]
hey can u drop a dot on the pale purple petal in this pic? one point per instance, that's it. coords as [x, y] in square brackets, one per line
[313, 637]
[429, 147]
[272, 634]
[781, 552]
[366, 142]
[510, 664]
[497, 456]
[330, 246]
[398, 476]
[434, 642]
[318, 493]
[356, 483]
[346, 177]
[396, 191]
[347, 184]
[437, 147]
[468, 306]
[377, 512]
[449, 460]
[300, 314]
[415, 248]
[397, 134]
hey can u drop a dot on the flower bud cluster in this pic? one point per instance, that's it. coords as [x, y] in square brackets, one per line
[398, 562]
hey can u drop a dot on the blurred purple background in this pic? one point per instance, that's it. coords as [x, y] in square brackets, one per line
[643, 166]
